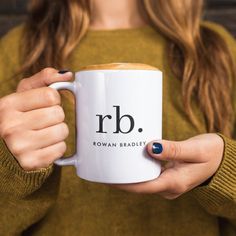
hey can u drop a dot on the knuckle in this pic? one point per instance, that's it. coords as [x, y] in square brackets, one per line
[64, 130]
[174, 150]
[16, 147]
[22, 85]
[46, 72]
[13, 138]
[5, 103]
[51, 96]
[61, 149]
[7, 132]
[27, 163]
[39, 163]
[58, 113]
[31, 164]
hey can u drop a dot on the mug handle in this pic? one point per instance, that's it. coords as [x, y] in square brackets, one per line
[71, 87]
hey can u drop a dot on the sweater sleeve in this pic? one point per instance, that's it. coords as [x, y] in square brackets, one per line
[15, 181]
[25, 195]
[218, 197]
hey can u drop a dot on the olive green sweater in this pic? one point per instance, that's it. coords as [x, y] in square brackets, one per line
[54, 201]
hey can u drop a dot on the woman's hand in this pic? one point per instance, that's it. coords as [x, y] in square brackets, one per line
[31, 121]
[189, 164]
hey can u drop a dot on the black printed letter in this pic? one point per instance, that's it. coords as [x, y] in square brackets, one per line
[118, 120]
[101, 119]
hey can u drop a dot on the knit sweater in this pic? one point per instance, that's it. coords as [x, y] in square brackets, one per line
[55, 201]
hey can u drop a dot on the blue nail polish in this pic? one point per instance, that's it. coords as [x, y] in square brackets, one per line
[62, 72]
[157, 148]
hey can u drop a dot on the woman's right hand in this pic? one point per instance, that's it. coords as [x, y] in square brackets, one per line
[32, 121]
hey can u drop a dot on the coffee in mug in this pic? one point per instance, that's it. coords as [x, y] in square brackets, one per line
[118, 111]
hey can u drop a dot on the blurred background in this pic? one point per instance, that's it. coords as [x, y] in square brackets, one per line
[12, 12]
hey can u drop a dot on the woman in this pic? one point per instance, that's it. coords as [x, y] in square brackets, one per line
[197, 59]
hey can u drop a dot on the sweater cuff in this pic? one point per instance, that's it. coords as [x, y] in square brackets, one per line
[10, 169]
[222, 186]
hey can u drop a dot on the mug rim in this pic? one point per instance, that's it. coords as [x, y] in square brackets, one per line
[119, 66]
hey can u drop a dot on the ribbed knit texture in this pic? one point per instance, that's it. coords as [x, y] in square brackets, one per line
[222, 188]
[54, 201]
[32, 179]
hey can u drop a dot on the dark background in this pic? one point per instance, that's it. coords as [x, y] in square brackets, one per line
[12, 12]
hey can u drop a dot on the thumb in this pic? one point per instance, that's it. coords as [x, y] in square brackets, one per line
[44, 78]
[173, 150]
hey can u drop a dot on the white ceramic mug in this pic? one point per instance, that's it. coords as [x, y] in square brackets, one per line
[118, 111]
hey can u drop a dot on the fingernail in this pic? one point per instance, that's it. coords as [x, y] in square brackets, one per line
[157, 148]
[63, 72]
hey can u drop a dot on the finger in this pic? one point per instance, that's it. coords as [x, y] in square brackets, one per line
[45, 117]
[43, 78]
[187, 150]
[33, 140]
[33, 99]
[172, 181]
[155, 186]
[49, 136]
[42, 158]
[169, 196]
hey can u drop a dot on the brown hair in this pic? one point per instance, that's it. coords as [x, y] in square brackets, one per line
[56, 27]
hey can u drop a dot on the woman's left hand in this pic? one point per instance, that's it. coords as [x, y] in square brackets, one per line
[189, 163]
